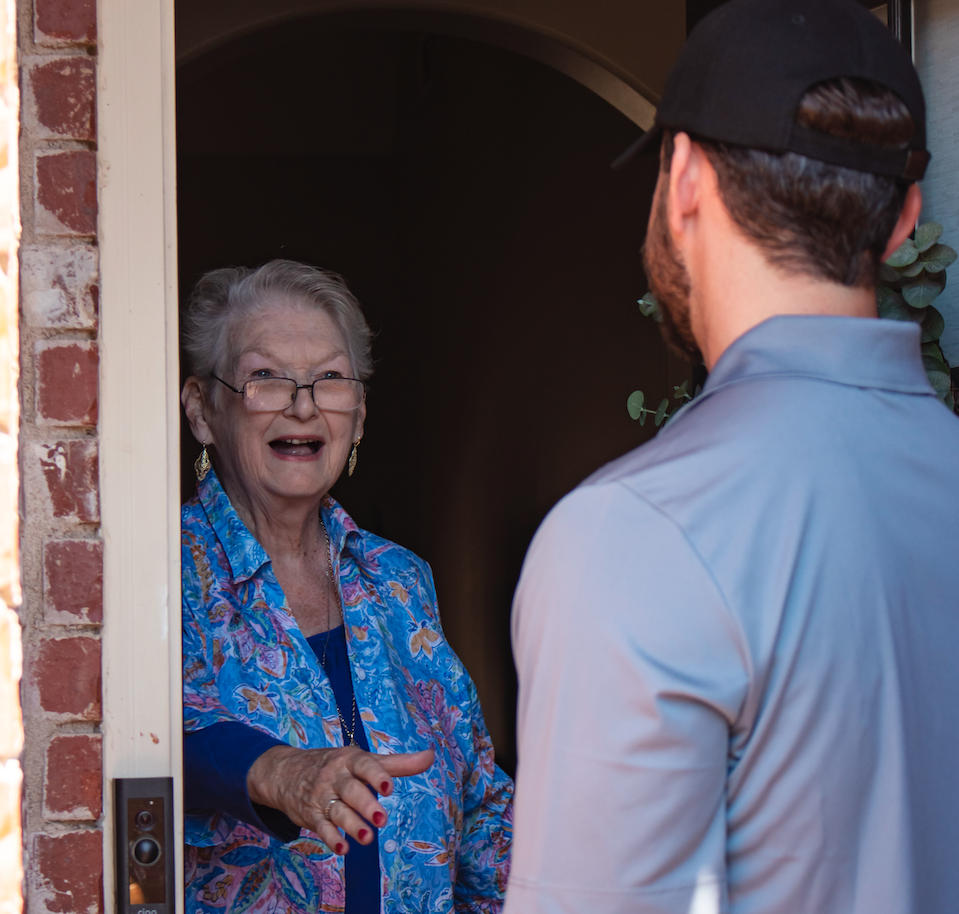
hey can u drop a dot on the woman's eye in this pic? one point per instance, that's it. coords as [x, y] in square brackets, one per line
[261, 373]
[331, 374]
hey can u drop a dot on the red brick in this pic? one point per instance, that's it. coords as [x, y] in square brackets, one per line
[73, 580]
[66, 21]
[65, 674]
[67, 192]
[67, 382]
[70, 471]
[64, 93]
[74, 771]
[69, 871]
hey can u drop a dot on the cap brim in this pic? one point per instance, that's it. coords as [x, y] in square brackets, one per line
[648, 143]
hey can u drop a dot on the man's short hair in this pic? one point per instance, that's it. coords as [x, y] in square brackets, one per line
[810, 217]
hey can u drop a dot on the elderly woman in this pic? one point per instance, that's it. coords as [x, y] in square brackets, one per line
[335, 753]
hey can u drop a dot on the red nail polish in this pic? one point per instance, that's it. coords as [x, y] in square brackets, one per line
[363, 834]
[378, 819]
[385, 787]
[340, 849]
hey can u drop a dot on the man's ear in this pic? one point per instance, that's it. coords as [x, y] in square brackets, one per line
[686, 173]
[906, 222]
[194, 405]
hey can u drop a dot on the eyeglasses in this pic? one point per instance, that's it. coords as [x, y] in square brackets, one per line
[268, 395]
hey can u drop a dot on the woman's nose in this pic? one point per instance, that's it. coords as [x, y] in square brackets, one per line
[303, 404]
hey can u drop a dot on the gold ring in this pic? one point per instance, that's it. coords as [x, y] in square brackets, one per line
[329, 806]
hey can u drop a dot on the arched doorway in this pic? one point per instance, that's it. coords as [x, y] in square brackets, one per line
[464, 191]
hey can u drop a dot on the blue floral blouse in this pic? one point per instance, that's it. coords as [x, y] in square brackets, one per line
[446, 844]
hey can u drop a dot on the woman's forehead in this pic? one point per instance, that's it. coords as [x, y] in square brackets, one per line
[286, 331]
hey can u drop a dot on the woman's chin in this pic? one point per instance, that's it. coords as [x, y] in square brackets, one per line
[301, 477]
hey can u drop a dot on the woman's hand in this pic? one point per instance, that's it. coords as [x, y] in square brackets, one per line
[303, 782]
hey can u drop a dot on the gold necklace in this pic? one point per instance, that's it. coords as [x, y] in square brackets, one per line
[350, 731]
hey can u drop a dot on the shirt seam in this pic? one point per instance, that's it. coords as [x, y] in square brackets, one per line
[731, 616]
[908, 390]
[689, 407]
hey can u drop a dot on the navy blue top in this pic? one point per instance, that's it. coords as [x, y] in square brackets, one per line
[216, 761]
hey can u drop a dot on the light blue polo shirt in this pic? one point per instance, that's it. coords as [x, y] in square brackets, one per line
[738, 648]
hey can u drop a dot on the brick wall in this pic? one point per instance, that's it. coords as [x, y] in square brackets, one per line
[11, 732]
[61, 553]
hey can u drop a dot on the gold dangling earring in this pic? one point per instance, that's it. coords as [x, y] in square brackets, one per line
[202, 465]
[351, 466]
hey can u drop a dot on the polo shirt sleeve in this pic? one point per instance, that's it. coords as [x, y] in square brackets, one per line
[631, 673]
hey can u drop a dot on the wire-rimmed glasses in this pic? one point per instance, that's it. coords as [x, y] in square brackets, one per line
[269, 395]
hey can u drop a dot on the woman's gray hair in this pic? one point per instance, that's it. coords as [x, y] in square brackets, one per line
[222, 298]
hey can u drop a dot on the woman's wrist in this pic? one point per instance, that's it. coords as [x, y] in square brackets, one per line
[261, 779]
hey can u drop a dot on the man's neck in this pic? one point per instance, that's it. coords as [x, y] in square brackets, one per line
[734, 288]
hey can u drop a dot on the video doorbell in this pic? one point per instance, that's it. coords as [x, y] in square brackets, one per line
[145, 854]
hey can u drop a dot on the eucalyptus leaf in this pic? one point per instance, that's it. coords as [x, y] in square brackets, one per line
[941, 382]
[914, 269]
[649, 307]
[634, 404]
[934, 351]
[924, 289]
[936, 368]
[927, 235]
[937, 258]
[889, 274]
[642, 418]
[904, 255]
[661, 412]
[892, 306]
[933, 324]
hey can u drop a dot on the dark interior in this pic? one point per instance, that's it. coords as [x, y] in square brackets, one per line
[465, 194]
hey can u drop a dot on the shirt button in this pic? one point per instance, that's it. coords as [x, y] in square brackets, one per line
[389, 846]
[360, 673]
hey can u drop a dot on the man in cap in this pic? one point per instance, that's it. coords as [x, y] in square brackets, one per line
[738, 645]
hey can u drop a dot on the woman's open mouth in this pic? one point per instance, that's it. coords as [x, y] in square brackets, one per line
[296, 447]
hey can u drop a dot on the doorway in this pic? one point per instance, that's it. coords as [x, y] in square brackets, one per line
[465, 194]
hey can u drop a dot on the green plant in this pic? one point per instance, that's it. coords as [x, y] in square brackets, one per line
[636, 401]
[909, 282]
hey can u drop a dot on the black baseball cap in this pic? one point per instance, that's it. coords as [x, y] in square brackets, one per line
[744, 68]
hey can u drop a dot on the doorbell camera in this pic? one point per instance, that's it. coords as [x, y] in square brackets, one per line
[145, 853]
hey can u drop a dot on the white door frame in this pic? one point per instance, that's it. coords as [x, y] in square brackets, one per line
[139, 409]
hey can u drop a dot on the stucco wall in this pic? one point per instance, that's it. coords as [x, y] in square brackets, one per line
[937, 58]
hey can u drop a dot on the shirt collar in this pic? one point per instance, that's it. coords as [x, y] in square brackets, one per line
[243, 551]
[854, 351]
[344, 535]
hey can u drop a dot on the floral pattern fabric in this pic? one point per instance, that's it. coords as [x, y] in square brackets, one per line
[446, 844]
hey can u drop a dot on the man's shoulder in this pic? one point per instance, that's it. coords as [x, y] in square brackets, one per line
[694, 443]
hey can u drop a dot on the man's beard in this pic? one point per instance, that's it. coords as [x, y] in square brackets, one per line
[669, 283]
